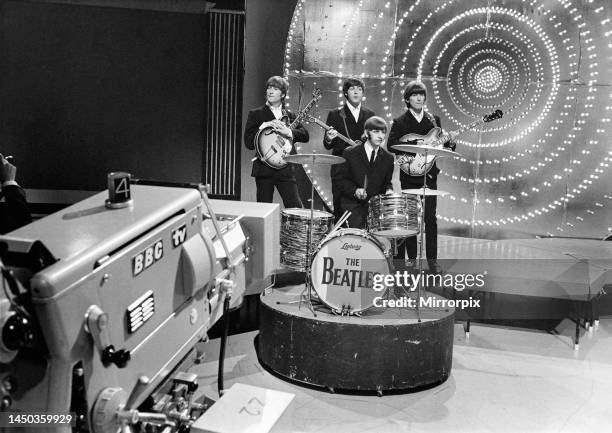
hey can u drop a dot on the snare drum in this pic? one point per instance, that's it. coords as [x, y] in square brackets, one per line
[294, 235]
[343, 270]
[393, 215]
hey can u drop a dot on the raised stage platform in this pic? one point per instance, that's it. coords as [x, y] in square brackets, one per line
[532, 279]
[384, 350]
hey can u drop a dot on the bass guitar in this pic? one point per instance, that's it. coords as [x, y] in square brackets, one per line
[270, 145]
[326, 127]
[417, 165]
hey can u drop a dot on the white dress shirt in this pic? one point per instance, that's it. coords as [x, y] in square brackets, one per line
[369, 148]
[354, 110]
[417, 116]
[277, 111]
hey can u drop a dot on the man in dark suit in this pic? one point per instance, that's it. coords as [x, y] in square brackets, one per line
[270, 114]
[14, 211]
[347, 120]
[418, 121]
[366, 172]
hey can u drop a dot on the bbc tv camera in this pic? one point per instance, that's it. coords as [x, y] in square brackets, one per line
[106, 304]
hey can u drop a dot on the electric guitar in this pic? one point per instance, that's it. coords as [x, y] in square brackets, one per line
[326, 127]
[417, 165]
[270, 145]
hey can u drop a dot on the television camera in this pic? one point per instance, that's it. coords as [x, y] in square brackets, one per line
[104, 308]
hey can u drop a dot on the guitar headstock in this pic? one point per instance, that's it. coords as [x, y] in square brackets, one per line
[316, 95]
[497, 114]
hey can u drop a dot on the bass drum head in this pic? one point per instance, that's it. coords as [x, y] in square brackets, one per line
[343, 270]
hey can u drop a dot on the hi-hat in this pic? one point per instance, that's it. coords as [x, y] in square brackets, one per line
[314, 158]
[426, 191]
[423, 148]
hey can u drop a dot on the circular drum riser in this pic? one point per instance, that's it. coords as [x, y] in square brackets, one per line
[294, 235]
[377, 352]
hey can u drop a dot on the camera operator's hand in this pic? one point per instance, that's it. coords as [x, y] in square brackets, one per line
[7, 170]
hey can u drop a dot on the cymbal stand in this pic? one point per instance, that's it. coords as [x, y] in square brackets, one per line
[395, 247]
[393, 253]
[308, 281]
[309, 240]
[422, 199]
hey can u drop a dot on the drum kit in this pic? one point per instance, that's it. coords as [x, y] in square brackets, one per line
[340, 264]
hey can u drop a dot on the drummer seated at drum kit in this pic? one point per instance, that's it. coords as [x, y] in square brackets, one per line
[366, 172]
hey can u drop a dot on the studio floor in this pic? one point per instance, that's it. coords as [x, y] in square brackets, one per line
[502, 380]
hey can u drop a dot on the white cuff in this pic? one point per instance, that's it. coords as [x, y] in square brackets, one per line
[9, 182]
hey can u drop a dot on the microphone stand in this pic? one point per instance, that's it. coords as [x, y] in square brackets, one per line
[422, 230]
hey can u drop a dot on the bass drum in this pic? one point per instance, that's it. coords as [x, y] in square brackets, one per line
[343, 270]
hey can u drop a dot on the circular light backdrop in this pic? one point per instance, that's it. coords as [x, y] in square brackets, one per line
[544, 168]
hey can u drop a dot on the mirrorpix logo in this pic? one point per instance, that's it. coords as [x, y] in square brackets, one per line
[410, 282]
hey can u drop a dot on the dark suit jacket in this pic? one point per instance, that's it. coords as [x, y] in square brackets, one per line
[14, 212]
[254, 120]
[351, 175]
[355, 129]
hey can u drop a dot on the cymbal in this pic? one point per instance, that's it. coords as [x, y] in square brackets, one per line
[433, 151]
[314, 158]
[427, 191]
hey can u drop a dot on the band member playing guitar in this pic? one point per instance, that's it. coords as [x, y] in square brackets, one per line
[272, 119]
[366, 172]
[418, 121]
[346, 128]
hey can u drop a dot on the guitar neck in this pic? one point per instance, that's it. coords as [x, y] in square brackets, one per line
[326, 127]
[460, 130]
[469, 125]
[303, 112]
[295, 122]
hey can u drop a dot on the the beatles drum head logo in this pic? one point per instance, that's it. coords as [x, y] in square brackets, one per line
[344, 268]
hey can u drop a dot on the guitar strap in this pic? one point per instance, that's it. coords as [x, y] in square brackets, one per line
[287, 120]
[431, 118]
[285, 115]
[343, 115]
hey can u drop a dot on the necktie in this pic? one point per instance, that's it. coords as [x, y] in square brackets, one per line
[372, 158]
